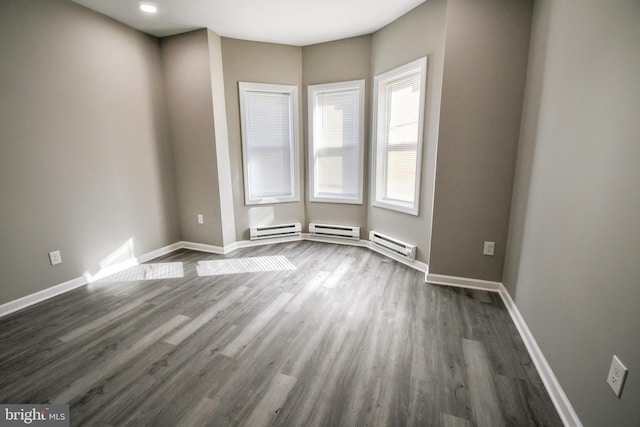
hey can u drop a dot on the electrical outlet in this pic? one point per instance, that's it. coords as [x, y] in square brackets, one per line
[617, 375]
[489, 248]
[55, 257]
[200, 219]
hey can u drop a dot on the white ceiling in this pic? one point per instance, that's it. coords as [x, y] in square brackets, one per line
[294, 22]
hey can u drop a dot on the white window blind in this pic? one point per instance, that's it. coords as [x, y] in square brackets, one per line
[336, 142]
[269, 141]
[398, 137]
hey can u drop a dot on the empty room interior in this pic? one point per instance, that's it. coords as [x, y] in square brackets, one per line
[321, 213]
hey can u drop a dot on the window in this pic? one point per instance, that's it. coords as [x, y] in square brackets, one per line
[398, 128]
[336, 142]
[269, 142]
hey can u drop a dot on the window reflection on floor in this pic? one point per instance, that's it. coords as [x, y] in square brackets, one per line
[153, 271]
[244, 265]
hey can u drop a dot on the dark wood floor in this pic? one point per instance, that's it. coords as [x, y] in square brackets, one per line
[348, 338]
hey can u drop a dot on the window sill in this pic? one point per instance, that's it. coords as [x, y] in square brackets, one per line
[410, 210]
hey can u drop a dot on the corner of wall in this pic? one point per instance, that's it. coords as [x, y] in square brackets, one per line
[227, 214]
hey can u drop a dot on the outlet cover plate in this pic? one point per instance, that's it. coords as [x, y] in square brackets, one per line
[617, 375]
[489, 248]
[55, 257]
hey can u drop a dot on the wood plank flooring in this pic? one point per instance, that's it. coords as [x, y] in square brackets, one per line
[348, 338]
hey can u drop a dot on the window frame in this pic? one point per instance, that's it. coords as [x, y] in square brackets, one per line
[245, 88]
[312, 91]
[381, 81]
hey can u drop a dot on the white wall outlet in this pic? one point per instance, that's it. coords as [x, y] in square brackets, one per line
[55, 257]
[200, 219]
[617, 375]
[489, 248]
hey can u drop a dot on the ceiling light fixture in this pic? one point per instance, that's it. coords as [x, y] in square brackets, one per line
[148, 7]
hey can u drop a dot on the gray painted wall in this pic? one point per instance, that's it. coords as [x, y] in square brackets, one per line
[419, 33]
[484, 75]
[338, 61]
[246, 61]
[572, 260]
[186, 62]
[85, 156]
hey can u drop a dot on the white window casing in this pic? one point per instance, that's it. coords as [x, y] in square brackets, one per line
[398, 128]
[269, 125]
[336, 142]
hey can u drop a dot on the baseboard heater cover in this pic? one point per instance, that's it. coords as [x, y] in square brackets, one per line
[280, 230]
[342, 231]
[401, 248]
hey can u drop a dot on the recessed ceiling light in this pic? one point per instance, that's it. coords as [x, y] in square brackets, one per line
[148, 7]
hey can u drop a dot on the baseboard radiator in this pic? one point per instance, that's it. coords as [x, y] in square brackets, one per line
[280, 230]
[342, 231]
[390, 244]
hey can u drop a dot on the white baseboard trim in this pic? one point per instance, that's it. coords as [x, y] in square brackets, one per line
[159, 252]
[45, 294]
[201, 247]
[463, 282]
[36, 297]
[112, 269]
[556, 393]
[335, 240]
[132, 262]
[261, 242]
[417, 265]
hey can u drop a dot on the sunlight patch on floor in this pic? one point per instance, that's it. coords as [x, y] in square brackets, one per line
[244, 265]
[153, 271]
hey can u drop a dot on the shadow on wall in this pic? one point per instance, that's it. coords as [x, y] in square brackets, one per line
[534, 93]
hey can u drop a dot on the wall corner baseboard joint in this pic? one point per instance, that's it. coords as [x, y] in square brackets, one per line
[556, 393]
[463, 282]
[36, 297]
[202, 247]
